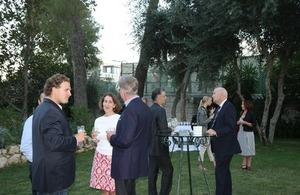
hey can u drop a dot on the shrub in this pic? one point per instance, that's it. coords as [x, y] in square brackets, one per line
[11, 123]
[81, 116]
[287, 129]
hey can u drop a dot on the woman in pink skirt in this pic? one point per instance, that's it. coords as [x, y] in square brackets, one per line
[100, 174]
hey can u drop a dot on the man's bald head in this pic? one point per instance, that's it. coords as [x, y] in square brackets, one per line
[219, 95]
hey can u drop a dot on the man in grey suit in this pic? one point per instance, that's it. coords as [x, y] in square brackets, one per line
[54, 145]
[131, 140]
[159, 158]
[224, 143]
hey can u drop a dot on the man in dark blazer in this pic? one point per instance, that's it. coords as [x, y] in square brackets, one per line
[224, 143]
[131, 140]
[159, 158]
[54, 145]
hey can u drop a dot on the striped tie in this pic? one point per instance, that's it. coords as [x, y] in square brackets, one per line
[215, 117]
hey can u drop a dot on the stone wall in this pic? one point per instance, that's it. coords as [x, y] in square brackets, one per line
[12, 154]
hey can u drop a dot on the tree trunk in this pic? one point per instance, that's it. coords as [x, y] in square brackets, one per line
[185, 82]
[143, 64]
[25, 84]
[238, 79]
[79, 68]
[141, 71]
[27, 56]
[176, 100]
[281, 96]
[268, 95]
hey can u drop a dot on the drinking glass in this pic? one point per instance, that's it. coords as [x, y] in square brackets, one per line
[111, 129]
[80, 128]
[95, 133]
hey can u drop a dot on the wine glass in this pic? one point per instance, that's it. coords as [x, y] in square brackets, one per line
[95, 133]
[111, 129]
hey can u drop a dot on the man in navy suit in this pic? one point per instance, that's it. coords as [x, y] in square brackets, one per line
[159, 158]
[131, 140]
[53, 144]
[224, 143]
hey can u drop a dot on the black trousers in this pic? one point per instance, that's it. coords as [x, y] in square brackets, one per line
[164, 164]
[223, 175]
[30, 177]
[61, 192]
[125, 186]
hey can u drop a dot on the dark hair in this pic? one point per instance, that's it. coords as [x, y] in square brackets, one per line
[41, 93]
[248, 104]
[54, 81]
[156, 92]
[213, 105]
[115, 99]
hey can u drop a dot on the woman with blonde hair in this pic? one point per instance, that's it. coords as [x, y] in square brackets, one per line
[204, 117]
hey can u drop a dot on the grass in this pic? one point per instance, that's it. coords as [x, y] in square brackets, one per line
[276, 171]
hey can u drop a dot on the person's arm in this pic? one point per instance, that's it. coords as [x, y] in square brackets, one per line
[26, 140]
[227, 119]
[127, 130]
[202, 118]
[162, 122]
[54, 138]
[249, 120]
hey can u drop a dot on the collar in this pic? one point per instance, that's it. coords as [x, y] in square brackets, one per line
[222, 103]
[54, 102]
[158, 104]
[129, 100]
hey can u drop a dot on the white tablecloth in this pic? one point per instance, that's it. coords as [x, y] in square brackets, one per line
[177, 128]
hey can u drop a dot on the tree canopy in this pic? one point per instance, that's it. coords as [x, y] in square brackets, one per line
[206, 36]
[41, 38]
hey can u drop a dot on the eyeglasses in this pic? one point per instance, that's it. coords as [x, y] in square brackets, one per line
[118, 88]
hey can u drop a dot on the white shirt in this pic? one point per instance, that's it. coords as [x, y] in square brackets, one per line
[102, 124]
[220, 106]
[26, 140]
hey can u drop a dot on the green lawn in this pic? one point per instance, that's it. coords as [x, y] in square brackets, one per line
[276, 170]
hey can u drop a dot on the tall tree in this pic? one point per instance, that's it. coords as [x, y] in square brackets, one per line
[17, 48]
[146, 52]
[192, 24]
[69, 19]
[209, 33]
[276, 41]
[32, 50]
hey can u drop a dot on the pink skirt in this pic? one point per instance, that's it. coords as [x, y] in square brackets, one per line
[100, 174]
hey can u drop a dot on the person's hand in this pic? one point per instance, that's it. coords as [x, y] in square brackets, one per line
[172, 129]
[109, 134]
[240, 122]
[211, 132]
[80, 136]
[212, 111]
[94, 135]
